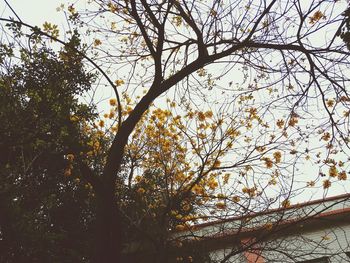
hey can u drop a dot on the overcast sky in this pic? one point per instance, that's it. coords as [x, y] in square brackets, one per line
[35, 11]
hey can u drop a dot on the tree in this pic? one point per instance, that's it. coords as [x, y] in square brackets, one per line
[38, 103]
[243, 149]
[344, 32]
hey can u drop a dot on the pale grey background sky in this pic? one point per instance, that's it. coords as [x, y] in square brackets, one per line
[35, 11]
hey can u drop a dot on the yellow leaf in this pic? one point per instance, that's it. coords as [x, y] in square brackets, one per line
[119, 82]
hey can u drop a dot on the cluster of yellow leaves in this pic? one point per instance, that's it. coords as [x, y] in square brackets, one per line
[68, 170]
[93, 134]
[119, 82]
[180, 227]
[113, 102]
[213, 184]
[326, 183]
[269, 226]
[141, 190]
[51, 29]
[60, 8]
[213, 12]
[253, 113]
[201, 72]
[277, 156]
[325, 237]
[226, 177]
[280, 123]
[72, 10]
[220, 205]
[317, 16]
[157, 143]
[326, 136]
[236, 199]
[177, 20]
[245, 98]
[101, 123]
[333, 172]
[189, 259]
[251, 192]
[112, 7]
[330, 103]
[342, 176]
[97, 42]
[272, 181]
[165, 144]
[293, 121]
[161, 143]
[285, 203]
[268, 162]
[311, 184]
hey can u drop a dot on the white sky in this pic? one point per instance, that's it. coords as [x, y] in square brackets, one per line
[34, 11]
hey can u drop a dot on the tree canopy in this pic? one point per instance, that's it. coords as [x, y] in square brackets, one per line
[38, 100]
[214, 109]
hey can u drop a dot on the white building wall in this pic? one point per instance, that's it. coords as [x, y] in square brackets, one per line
[329, 242]
[328, 238]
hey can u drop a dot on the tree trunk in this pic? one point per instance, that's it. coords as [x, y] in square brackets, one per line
[108, 246]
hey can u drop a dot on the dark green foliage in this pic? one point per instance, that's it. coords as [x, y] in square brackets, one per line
[345, 31]
[44, 215]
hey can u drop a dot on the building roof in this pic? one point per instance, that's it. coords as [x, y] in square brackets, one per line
[328, 203]
[266, 224]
